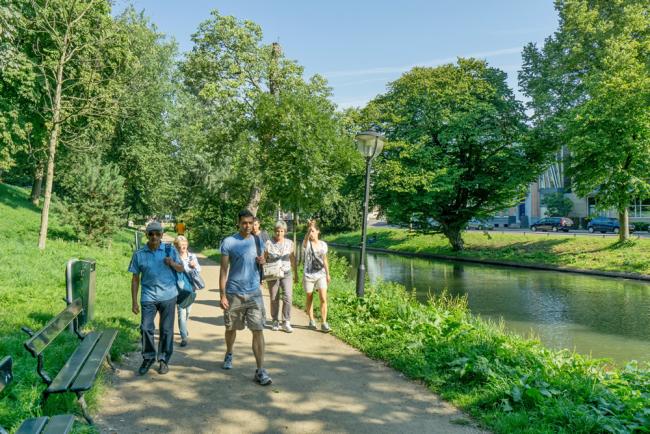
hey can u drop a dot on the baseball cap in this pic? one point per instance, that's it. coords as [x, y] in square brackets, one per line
[154, 226]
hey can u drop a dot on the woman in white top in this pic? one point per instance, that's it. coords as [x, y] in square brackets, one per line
[189, 262]
[281, 249]
[316, 275]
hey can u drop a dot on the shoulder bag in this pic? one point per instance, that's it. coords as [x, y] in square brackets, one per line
[186, 294]
[269, 270]
[317, 264]
[196, 279]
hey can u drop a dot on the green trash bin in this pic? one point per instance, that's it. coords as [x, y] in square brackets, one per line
[80, 283]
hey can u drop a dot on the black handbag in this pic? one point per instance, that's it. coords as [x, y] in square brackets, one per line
[316, 263]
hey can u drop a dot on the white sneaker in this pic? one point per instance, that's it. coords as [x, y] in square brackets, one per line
[325, 328]
[276, 326]
[287, 327]
[312, 325]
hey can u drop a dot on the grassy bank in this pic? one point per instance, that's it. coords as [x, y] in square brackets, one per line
[584, 252]
[31, 290]
[508, 383]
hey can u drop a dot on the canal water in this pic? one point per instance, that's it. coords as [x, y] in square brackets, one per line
[601, 316]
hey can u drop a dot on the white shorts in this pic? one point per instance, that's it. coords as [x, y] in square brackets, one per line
[309, 284]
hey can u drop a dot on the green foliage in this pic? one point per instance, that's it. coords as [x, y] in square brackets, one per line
[141, 142]
[557, 205]
[252, 131]
[343, 214]
[510, 384]
[590, 89]
[94, 200]
[32, 295]
[457, 146]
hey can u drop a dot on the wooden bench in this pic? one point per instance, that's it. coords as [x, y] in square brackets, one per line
[61, 424]
[80, 371]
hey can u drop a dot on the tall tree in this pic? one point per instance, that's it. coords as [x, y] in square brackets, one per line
[590, 89]
[71, 56]
[457, 146]
[22, 130]
[278, 133]
[141, 143]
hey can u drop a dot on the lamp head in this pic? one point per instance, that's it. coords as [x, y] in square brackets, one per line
[369, 143]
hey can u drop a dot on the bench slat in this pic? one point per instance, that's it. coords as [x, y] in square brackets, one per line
[32, 426]
[61, 424]
[6, 374]
[87, 375]
[71, 369]
[37, 343]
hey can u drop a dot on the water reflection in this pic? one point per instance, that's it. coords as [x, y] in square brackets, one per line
[604, 317]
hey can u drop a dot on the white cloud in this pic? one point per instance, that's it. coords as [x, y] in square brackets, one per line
[400, 69]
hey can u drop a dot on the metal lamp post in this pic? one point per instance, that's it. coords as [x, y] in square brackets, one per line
[370, 144]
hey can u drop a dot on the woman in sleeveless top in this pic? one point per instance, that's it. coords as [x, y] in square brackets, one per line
[281, 249]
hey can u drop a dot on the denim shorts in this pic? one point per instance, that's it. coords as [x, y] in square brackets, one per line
[245, 311]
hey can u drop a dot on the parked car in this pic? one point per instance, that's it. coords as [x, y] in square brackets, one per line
[479, 225]
[418, 222]
[606, 224]
[552, 224]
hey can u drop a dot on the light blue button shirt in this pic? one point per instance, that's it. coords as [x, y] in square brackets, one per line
[244, 272]
[157, 280]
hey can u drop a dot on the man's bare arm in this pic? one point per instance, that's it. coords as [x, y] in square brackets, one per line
[135, 285]
[223, 279]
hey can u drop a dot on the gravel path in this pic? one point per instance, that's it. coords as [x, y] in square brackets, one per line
[319, 384]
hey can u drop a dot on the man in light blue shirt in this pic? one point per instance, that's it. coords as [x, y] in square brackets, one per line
[153, 267]
[242, 255]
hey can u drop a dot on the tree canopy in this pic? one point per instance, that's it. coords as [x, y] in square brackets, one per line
[457, 146]
[589, 86]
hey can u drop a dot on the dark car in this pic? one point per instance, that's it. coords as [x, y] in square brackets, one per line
[606, 224]
[552, 224]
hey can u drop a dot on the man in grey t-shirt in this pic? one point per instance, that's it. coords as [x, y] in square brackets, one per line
[241, 296]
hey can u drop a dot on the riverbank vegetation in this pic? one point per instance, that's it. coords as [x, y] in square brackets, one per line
[508, 383]
[583, 252]
[32, 288]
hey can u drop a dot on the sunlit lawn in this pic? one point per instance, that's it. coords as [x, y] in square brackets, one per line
[587, 252]
[32, 287]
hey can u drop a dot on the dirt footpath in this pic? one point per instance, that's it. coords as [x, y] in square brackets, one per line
[319, 385]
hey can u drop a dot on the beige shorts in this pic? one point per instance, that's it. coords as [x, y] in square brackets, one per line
[245, 311]
[310, 284]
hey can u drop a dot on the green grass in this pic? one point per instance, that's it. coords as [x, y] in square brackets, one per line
[584, 252]
[213, 254]
[32, 286]
[507, 383]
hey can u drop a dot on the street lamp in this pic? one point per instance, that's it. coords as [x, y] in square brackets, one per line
[370, 144]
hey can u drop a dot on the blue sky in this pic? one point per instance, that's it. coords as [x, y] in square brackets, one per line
[361, 45]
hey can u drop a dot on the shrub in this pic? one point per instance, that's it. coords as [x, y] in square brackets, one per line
[344, 214]
[93, 195]
[557, 205]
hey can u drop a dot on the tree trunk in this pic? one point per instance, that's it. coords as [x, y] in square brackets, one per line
[37, 185]
[53, 141]
[624, 220]
[454, 235]
[299, 250]
[254, 199]
[276, 52]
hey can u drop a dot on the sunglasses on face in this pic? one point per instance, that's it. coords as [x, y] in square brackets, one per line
[154, 234]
